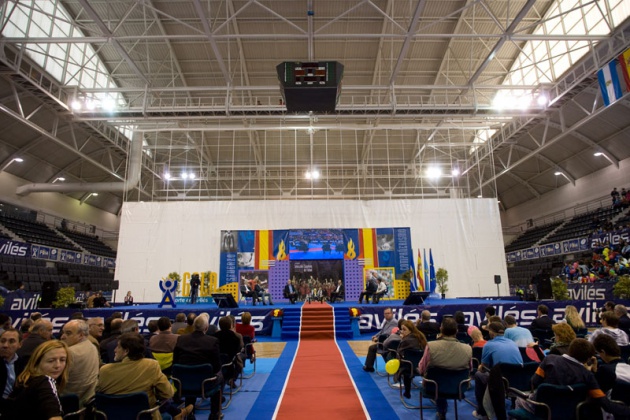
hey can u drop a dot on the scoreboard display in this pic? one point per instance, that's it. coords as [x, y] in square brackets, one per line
[310, 86]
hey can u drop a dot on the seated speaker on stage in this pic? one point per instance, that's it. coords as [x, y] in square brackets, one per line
[248, 292]
[381, 291]
[290, 292]
[370, 288]
[338, 292]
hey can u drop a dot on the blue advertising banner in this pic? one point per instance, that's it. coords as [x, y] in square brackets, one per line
[228, 268]
[71, 256]
[261, 318]
[109, 262]
[614, 237]
[15, 248]
[571, 245]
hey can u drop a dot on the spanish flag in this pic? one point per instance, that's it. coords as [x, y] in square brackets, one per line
[420, 282]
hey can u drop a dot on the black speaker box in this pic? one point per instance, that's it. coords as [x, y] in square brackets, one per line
[224, 300]
[416, 298]
[115, 284]
[49, 294]
[497, 279]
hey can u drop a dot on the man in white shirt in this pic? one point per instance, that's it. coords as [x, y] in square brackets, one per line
[381, 290]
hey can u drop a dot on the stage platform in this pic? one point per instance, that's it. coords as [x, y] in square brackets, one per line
[370, 319]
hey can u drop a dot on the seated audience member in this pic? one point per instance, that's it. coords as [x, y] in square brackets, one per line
[128, 299]
[25, 328]
[542, 321]
[392, 342]
[83, 371]
[41, 331]
[290, 292]
[100, 301]
[180, 322]
[460, 318]
[190, 319]
[572, 317]
[199, 348]
[489, 311]
[114, 378]
[497, 350]
[11, 365]
[563, 336]
[96, 326]
[426, 326]
[447, 353]
[128, 326]
[230, 346]
[521, 336]
[389, 324]
[624, 321]
[36, 391]
[476, 336]
[116, 324]
[411, 339]
[610, 324]
[613, 369]
[572, 368]
[152, 329]
[245, 327]
[164, 341]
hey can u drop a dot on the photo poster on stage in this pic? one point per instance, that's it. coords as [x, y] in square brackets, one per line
[253, 250]
[253, 278]
[386, 274]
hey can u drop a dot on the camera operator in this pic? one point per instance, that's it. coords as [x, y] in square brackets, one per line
[195, 282]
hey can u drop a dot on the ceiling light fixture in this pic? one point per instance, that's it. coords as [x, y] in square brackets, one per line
[434, 172]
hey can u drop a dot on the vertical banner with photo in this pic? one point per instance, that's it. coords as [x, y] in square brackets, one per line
[403, 257]
[385, 247]
[228, 266]
[386, 274]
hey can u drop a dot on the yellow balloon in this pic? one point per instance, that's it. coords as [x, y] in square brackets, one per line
[392, 366]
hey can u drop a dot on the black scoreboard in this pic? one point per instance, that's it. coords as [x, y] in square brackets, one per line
[313, 86]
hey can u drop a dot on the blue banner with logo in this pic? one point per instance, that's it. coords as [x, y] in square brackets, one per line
[404, 253]
[15, 248]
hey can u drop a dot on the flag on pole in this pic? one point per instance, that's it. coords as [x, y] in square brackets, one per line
[609, 83]
[413, 284]
[431, 271]
[427, 280]
[420, 276]
[624, 61]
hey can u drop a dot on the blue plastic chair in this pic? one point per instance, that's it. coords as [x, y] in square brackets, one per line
[124, 406]
[198, 381]
[443, 383]
[553, 402]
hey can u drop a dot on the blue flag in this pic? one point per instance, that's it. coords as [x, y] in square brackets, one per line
[431, 271]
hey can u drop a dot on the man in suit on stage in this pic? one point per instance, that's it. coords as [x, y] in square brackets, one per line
[290, 292]
[247, 291]
[338, 293]
[198, 348]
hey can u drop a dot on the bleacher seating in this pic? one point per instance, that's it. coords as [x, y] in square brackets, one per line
[91, 243]
[583, 225]
[531, 236]
[35, 232]
[33, 272]
[521, 272]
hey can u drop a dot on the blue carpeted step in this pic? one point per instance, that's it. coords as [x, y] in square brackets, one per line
[291, 323]
[343, 329]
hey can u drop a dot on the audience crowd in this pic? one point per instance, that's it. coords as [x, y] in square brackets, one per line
[111, 357]
[564, 352]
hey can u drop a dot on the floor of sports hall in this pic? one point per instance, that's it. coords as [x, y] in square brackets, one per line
[262, 395]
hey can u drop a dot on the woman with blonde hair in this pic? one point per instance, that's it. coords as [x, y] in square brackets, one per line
[36, 390]
[563, 335]
[572, 317]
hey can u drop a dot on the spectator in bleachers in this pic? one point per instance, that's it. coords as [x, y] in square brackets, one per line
[614, 194]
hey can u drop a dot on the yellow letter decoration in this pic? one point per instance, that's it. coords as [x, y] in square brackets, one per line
[281, 254]
[351, 254]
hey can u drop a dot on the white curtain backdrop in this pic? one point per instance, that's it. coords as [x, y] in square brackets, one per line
[158, 238]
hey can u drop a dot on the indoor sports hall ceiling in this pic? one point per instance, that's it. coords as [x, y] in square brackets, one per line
[500, 97]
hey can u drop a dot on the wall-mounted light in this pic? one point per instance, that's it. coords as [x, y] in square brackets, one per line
[59, 179]
[17, 159]
[434, 172]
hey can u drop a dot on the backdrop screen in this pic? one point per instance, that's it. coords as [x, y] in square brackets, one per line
[316, 244]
